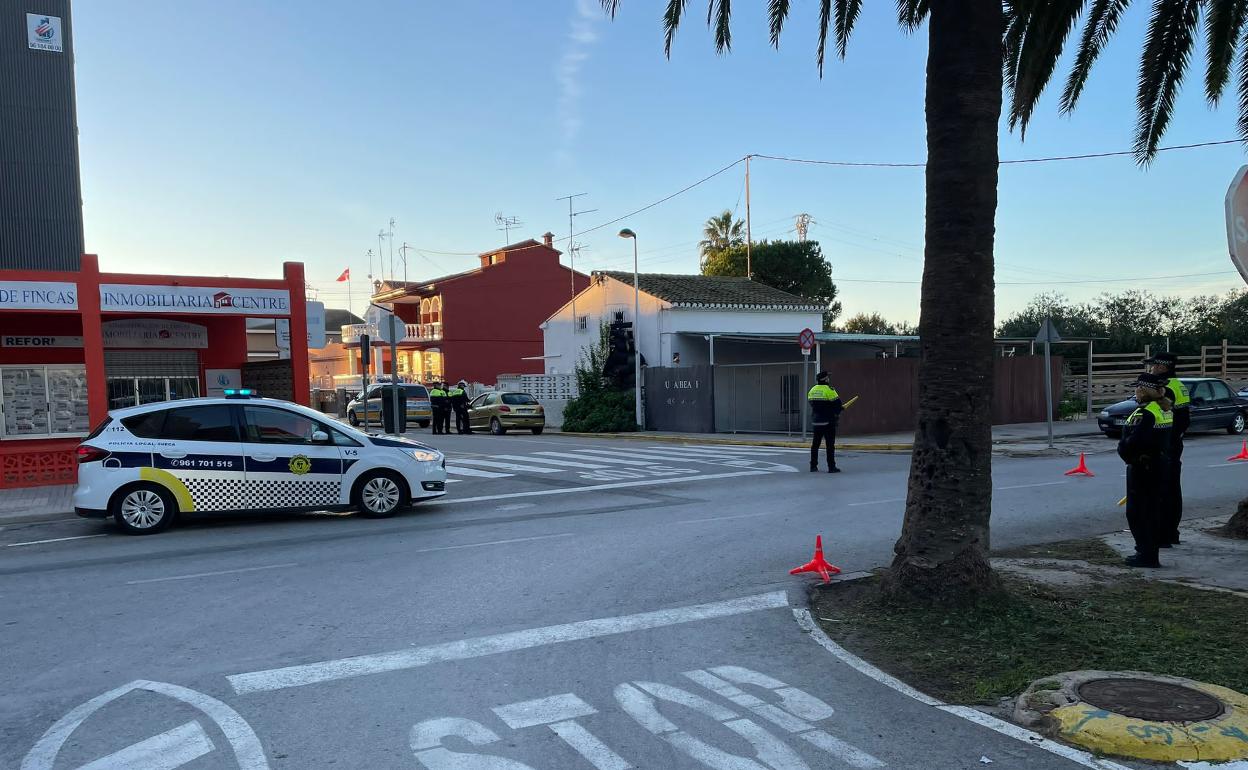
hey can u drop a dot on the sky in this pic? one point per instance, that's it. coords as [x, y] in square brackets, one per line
[226, 137]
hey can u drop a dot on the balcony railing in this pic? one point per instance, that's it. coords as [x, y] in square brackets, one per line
[415, 333]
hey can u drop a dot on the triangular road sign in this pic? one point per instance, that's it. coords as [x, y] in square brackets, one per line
[1048, 332]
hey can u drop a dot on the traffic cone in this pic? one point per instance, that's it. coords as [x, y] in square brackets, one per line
[1082, 468]
[1243, 453]
[818, 564]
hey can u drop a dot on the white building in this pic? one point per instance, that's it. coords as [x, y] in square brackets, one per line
[685, 320]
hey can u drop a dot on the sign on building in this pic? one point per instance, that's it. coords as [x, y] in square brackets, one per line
[116, 297]
[316, 325]
[38, 295]
[43, 33]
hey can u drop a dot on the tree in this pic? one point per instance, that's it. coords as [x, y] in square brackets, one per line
[869, 324]
[797, 267]
[976, 48]
[720, 232]
[599, 406]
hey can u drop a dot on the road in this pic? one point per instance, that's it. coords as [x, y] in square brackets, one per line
[570, 604]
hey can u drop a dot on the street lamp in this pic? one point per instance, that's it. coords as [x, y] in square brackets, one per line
[626, 233]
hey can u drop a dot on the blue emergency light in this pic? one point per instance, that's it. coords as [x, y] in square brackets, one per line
[238, 393]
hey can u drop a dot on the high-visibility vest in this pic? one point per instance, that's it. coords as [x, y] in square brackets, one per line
[437, 393]
[1161, 418]
[822, 393]
[455, 392]
[1181, 396]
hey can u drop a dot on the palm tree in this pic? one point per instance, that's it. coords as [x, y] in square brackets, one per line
[975, 49]
[721, 231]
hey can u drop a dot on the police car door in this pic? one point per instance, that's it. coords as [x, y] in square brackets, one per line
[292, 461]
[198, 455]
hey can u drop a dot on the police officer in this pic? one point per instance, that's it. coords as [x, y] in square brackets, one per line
[825, 410]
[438, 401]
[1163, 365]
[1145, 448]
[459, 403]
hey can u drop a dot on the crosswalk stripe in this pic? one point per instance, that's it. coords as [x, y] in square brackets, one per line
[549, 461]
[746, 449]
[611, 458]
[476, 472]
[508, 466]
[710, 452]
[676, 456]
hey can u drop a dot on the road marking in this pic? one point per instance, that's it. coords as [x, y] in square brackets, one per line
[543, 711]
[1029, 486]
[209, 574]
[879, 502]
[55, 540]
[516, 507]
[475, 472]
[725, 518]
[673, 454]
[588, 746]
[166, 751]
[594, 487]
[1226, 465]
[747, 449]
[714, 453]
[549, 461]
[466, 649]
[507, 466]
[490, 542]
[611, 458]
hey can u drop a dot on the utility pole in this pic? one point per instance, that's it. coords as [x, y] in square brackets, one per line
[403, 256]
[572, 249]
[803, 225]
[381, 236]
[749, 241]
[390, 235]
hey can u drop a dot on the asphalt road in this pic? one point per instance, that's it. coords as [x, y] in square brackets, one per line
[569, 604]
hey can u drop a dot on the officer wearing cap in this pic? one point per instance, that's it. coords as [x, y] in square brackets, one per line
[1163, 365]
[825, 410]
[1145, 447]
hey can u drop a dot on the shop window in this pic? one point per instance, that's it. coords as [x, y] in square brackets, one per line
[43, 401]
[214, 422]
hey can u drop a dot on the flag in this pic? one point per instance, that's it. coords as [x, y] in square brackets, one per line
[346, 275]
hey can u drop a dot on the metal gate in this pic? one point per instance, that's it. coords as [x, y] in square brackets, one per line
[143, 377]
[762, 398]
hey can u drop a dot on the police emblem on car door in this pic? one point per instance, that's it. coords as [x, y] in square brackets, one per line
[292, 461]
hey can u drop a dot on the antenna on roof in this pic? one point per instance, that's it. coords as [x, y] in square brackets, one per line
[573, 249]
[506, 223]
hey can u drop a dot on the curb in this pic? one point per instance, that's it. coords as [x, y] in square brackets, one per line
[786, 444]
[34, 518]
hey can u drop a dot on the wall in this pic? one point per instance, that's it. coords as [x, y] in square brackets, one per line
[599, 303]
[53, 324]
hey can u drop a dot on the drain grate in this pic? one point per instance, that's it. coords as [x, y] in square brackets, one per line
[1151, 700]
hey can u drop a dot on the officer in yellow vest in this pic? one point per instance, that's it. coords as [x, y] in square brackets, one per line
[1163, 365]
[440, 404]
[1145, 448]
[825, 411]
[458, 397]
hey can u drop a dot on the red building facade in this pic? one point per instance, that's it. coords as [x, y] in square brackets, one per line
[480, 323]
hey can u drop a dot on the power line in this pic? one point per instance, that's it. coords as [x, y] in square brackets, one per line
[1132, 279]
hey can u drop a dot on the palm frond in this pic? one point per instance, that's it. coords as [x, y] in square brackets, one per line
[1102, 22]
[846, 15]
[1223, 29]
[671, 20]
[1167, 51]
[1243, 93]
[1038, 33]
[1016, 14]
[911, 13]
[777, 12]
[825, 19]
[723, 30]
[610, 6]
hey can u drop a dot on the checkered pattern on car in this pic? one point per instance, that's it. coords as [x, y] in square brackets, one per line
[231, 495]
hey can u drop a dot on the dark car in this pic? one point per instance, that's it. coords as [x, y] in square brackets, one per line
[1214, 407]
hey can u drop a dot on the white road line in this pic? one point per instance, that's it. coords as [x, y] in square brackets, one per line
[745, 449]
[489, 542]
[1029, 486]
[675, 454]
[543, 711]
[879, 502]
[209, 574]
[476, 472]
[611, 459]
[507, 466]
[725, 518]
[594, 488]
[54, 540]
[1227, 465]
[550, 461]
[709, 452]
[466, 649]
[166, 751]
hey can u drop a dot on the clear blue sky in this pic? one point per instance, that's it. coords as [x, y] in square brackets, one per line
[226, 137]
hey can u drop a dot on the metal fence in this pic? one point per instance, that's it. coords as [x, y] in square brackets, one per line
[762, 398]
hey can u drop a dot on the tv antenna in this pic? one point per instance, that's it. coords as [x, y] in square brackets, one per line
[506, 224]
[573, 248]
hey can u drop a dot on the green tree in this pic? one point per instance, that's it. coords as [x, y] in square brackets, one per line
[977, 48]
[598, 407]
[797, 267]
[869, 324]
[720, 232]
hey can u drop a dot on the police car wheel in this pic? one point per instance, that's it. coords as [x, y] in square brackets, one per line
[353, 419]
[143, 509]
[496, 427]
[380, 494]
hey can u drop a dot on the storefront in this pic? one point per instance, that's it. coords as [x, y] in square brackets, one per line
[75, 345]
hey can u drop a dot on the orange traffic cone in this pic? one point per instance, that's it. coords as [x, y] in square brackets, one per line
[1081, 469]
[1243, 453]
[818, 564]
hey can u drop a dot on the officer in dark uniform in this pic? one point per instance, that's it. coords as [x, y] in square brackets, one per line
[459, 403]
[825, 410]
[440, 404]
[1163, 365]
[1145, 448]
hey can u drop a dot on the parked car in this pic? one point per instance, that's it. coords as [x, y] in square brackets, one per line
[501, 412]
[419, 410]
[1214, 407]
[146, 464]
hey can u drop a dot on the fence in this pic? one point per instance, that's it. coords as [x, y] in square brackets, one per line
[1113, 373]
[543, 387]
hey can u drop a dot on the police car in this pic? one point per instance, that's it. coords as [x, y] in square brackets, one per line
[146, 464]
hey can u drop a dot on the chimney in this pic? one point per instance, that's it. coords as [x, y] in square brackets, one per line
[548, 240]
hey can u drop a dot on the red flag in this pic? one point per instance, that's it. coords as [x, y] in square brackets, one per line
[346, 275]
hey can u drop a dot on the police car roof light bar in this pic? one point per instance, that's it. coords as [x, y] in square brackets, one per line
[238, 393]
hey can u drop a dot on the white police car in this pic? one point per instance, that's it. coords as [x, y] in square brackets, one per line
[148, 463]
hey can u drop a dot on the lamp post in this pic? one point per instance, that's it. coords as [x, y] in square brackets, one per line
[626, 233]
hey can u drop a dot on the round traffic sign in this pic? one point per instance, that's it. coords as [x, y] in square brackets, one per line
[806, 339]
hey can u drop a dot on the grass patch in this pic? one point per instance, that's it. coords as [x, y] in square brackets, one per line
[1093, 551]
[997, 646]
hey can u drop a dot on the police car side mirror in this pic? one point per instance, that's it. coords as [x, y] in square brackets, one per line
[320, 437]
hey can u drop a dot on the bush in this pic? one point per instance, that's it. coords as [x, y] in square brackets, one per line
[599, 407]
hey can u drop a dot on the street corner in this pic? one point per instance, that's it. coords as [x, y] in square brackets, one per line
[1138, 715]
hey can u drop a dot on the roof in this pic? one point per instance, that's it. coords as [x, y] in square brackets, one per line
[527, 243]
[712, 291]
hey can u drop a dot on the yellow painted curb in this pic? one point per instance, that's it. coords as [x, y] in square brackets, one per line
[740, 442]
[1221, 739]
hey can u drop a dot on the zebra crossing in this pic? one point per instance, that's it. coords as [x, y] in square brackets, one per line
[600, 463]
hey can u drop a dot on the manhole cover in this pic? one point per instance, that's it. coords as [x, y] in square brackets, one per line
[1151, 700]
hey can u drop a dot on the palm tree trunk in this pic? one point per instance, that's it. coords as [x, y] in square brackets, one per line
[942, 551]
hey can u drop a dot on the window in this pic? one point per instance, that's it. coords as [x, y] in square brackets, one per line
[478, 401]
[582, 323]
[341, 439]
[491, 399]
[1202, 392]
[43, 401]
[200, 423]
[416, 391]
[278, 426]
[519, 399]
[1220, 391]
[146, 425]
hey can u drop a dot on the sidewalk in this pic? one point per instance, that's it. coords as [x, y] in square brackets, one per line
[29, 504]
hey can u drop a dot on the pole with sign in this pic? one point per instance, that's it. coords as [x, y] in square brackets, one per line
[390, 328]
[1237, 221]
[805, 340]
[1048, 335]
[366, 355]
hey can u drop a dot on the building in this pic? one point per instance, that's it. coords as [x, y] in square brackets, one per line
[480, 323]
[40, 192]
[262, 338]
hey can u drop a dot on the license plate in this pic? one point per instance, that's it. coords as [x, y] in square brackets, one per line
[1120, 421]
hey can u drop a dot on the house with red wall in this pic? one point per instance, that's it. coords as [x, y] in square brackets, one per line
[480, 323]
